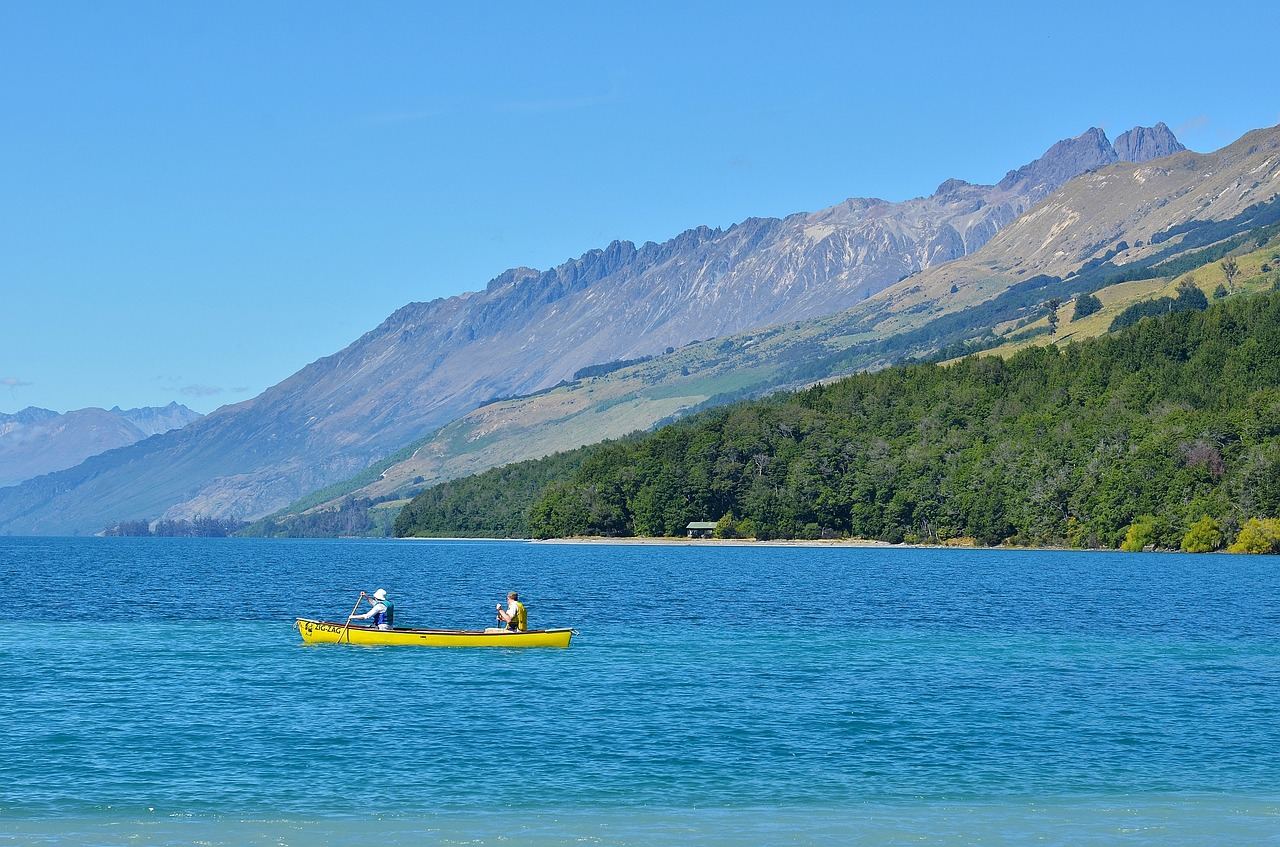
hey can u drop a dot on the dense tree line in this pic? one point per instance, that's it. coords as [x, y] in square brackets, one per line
[198, 527]
[493, 504]
[609, 367]
[1170, 426]
[354, 516]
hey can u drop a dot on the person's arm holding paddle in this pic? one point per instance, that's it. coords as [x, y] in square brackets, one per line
[380, 610]
[513, 615]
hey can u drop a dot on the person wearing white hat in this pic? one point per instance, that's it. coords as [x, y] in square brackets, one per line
[382, 611]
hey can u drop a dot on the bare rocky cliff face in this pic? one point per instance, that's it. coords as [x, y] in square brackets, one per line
[1144, 143]
[429, 363]
[39, 441]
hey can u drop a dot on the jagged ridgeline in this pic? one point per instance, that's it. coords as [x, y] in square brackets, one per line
[1169, 421]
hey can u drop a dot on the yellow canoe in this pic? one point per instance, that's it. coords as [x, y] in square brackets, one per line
[328, 632]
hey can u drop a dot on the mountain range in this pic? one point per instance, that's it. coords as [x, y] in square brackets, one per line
[430, 363]
[1117, 230]
[37, 441]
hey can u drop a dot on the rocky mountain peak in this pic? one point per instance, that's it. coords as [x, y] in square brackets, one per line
[1061, 162]
[951, 186]
[1144, 143]
[511, 276]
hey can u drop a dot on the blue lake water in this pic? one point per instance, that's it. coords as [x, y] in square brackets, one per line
[155, 692]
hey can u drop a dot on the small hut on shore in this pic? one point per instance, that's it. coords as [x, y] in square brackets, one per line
[701, 529]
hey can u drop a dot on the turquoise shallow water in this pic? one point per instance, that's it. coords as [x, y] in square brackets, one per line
[156, 693]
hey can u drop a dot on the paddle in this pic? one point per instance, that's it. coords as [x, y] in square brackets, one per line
[347, 625]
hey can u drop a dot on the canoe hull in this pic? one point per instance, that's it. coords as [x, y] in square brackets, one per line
[328, 632]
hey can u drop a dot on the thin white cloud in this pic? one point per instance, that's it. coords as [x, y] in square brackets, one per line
[14, 382]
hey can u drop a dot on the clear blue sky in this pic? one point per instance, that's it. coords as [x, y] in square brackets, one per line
[199, 199]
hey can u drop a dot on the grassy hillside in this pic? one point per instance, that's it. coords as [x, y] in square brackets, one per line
[1168, 425]
[1255, 257]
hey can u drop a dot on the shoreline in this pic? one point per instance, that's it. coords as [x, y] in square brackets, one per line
[1175, 817]
[721, 542]
[631, 541]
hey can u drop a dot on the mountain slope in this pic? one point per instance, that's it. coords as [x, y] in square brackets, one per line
[1070, 243]
[1254, 257]
[39, 441]
[428, 363]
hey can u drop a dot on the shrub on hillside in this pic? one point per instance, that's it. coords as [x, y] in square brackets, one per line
[1258, 535]
[1086, 304]
[1142, 533]
[1204, 536]
[727, 527]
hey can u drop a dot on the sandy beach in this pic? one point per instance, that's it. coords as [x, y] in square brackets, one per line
[724, 542]
[685, 542]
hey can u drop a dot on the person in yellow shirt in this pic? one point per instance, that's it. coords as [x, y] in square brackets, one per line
[514, 615]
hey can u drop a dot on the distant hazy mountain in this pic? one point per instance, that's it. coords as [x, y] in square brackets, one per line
[38, 441]
[429, 363]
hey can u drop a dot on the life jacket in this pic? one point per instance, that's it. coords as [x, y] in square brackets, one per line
[388, 617]
[522, 617]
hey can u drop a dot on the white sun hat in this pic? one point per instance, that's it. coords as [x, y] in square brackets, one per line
[380, 594]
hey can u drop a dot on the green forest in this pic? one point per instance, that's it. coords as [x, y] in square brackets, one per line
[493, 504]
[1165, 434]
